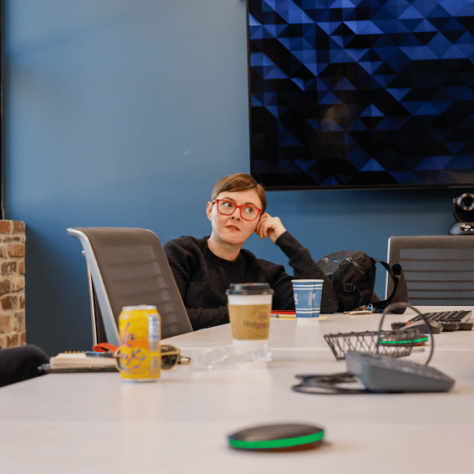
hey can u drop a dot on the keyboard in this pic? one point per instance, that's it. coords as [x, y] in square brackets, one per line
[449, 320]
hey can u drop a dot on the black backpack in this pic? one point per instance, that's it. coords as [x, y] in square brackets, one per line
[353, 277]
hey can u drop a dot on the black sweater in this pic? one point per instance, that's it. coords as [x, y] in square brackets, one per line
[203, 278]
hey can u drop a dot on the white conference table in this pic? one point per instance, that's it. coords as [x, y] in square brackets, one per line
[94, 422]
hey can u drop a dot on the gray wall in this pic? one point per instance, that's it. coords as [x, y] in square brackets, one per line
[125, 113]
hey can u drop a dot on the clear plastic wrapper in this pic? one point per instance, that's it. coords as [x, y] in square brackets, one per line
[229, 358]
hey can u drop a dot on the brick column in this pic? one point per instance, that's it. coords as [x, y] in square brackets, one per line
[12, 283]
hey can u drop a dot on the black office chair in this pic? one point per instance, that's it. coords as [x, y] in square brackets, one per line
[21, 363]
[127, 267]
[439, 270]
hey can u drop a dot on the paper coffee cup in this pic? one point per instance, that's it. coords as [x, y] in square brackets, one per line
[307, 295]
[250, 306]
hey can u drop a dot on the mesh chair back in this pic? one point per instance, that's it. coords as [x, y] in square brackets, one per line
[439, 270]
[129, 267]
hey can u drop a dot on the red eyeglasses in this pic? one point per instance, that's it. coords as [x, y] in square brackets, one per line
[247, 212]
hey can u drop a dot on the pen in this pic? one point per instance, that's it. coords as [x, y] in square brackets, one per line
[285, 314]
[99, 354]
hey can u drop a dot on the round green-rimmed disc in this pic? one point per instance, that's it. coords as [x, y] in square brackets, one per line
[418, 340]
[276, 436]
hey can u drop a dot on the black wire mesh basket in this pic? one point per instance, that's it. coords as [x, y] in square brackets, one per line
[392, 343]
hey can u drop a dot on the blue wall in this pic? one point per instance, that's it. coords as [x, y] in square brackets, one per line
[125, 113]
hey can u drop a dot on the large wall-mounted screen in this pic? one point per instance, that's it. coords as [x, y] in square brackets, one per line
[361, 93]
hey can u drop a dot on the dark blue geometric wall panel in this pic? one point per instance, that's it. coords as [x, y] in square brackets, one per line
[361, 93]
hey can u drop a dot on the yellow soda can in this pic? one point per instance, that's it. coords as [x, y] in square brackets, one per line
[139, 355]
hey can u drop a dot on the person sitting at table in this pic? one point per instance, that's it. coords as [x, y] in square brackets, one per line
[205, 267]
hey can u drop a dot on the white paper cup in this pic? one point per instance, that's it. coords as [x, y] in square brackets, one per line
[250, 306]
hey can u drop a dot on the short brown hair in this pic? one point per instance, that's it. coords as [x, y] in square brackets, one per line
[239, 182]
